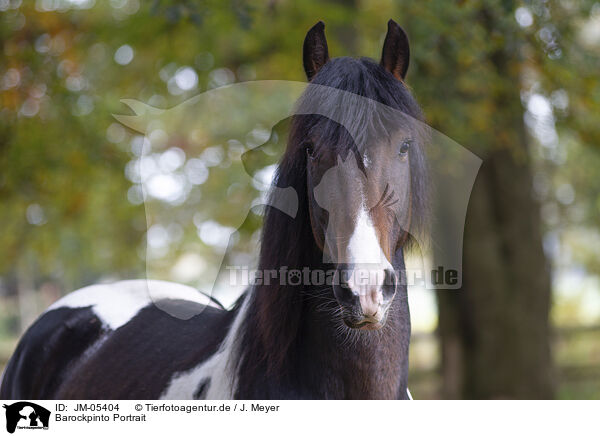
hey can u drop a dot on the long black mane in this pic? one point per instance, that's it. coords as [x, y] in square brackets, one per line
[273, 327]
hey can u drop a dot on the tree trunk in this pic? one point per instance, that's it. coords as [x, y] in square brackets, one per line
[495, 331]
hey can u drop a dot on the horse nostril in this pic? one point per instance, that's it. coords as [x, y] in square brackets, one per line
[389, 285]
[343, 292]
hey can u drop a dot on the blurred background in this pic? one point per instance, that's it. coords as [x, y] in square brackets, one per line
[515, 82]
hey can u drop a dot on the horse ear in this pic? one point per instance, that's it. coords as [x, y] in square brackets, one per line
[315, 53]
[395, 55]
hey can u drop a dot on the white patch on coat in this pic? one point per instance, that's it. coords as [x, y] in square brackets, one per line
[219, 368]
[364, 245]
[115, 304]
[409, 395]
[365, 252]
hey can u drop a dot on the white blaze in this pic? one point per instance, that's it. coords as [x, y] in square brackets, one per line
[370, 263]
[364, 245]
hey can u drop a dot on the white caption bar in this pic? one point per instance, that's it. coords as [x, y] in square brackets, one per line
[299, 417]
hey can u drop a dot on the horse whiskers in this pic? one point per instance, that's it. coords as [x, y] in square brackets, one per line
[311, 291]
[309, 296]
[323, 297]
[327, 307]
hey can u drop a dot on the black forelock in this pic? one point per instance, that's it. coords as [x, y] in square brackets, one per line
[367, 78]
[388, 105]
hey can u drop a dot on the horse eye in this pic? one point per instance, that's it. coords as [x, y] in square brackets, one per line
[404, 148]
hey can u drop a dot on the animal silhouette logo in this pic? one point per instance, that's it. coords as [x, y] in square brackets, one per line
[26, 415]
[223, 133]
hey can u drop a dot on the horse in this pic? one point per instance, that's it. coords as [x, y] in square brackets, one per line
[344, 340]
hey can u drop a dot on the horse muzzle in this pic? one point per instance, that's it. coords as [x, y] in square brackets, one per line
[365, 304]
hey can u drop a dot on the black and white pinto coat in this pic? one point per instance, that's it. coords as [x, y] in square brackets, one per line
[112, 341]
